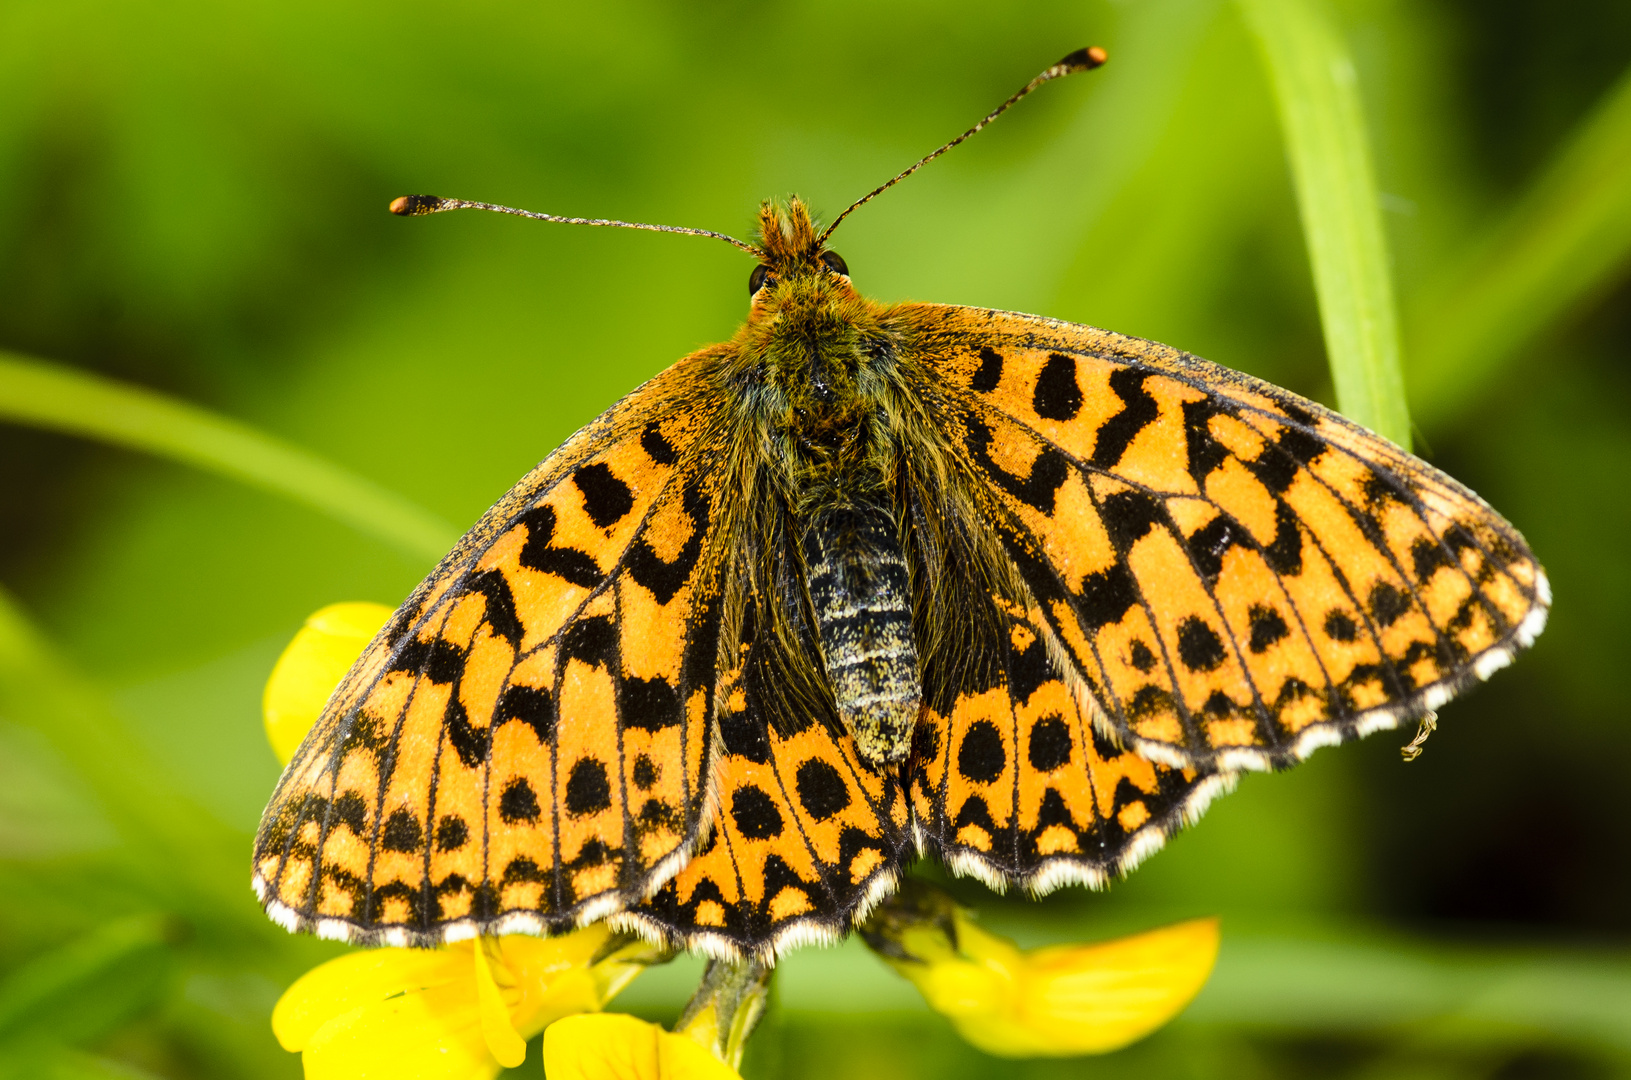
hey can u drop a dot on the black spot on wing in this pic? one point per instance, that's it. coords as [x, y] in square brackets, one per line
[662, 577]
[531, 705]
[981, 757]
[402, 832]
[438, 660]
[974, 811]
[518, 803]
[1053, 811]
[349, 810]
[367, 732]
[1050, 744]
[1199, 646]
[660, 450]
[592, 640]
[755, 813]
[1028, 669]
[646, 773]
[1138, 410]
[1427, 555]
[588, 791]
[1057, 396]
[1268, 626]
[1387, 603]
[470, 743]
[1340, 626]
[1284, 553]
[451, 833]
[743, 734]
[1105, 597]
[521, 868]
[989, 373]
[657, 814]
[647, 704]
[821, 789]
[1212, 541]
[606, 499]
[1129, 515]
[1048, 471]
[1294, 448]
[500, 614]
[568, 563]
[1205, 452]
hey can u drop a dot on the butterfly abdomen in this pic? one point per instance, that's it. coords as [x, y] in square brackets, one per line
[860, 594]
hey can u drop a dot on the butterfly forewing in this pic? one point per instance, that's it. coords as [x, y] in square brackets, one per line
[527, 743]
[1238, 575]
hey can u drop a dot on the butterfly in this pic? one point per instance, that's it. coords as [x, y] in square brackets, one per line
[868, 581]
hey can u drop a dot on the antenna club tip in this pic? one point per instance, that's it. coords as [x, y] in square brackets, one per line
[412, 205]
[1084, 59]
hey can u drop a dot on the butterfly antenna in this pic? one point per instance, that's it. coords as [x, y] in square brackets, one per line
[1080, 60]
[414, 205]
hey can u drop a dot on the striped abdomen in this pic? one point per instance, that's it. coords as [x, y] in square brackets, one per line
[862, 600]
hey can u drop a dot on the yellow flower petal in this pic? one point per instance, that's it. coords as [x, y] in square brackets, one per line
[554, 976]
[356, 980]
[1052, 1002]
[432, 1034]
[611, 1046]
[502, 1039]
[312, 666]
[455, 1013]
[681, 1058]
[1077, 999]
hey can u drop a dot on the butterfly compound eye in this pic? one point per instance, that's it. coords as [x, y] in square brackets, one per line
[835, 262]
[759, 279]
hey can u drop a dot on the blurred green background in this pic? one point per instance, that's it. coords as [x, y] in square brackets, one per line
[192, 200]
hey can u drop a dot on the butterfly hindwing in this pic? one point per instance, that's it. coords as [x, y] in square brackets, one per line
[1238, 574]
[806, 835]
[527, 743]
[1016, 786]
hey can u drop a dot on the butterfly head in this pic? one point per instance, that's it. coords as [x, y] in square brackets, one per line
[794, 265]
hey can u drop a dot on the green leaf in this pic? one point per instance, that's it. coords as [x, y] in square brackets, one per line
[59, 398]
[1566, 239]
[1317, 93]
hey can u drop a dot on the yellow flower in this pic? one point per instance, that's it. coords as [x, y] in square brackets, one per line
[458, 1012]
[312, 666]
[611, 1046]
[1050, 1002]
[706, 1044]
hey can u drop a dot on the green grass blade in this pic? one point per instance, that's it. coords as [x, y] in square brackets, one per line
[182, 856]
[56, 991]
[59, 398]
[1318, 98]
[1566, 239]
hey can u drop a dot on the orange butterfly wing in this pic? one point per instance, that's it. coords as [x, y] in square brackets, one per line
[806, 834]
[527, 743]
[1015, 785]
[1237, 575]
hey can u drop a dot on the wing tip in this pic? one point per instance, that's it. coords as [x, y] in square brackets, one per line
[1382, 718]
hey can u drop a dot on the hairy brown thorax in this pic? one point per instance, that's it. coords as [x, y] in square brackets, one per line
[823, 362]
